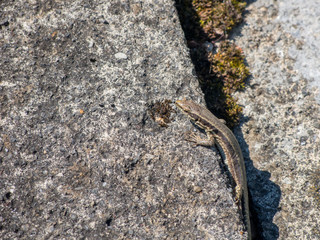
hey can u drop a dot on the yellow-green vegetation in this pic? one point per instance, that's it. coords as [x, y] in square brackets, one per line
[218, 16]
[228, 65]
[220, 74]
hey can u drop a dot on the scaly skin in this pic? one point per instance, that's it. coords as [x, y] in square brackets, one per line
[217, 132]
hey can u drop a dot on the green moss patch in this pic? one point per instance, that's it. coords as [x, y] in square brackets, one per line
[228, 65]
[217, 17]
[207, 22]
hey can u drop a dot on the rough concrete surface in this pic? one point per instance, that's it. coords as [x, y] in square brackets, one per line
[280, 126]
[80, 157]
[301, 20]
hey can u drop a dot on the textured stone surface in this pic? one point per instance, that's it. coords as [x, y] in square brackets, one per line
[79, 155]
[301, 20]
[81, 158]
[281, 124]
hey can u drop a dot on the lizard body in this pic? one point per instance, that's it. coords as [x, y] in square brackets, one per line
[217, 132]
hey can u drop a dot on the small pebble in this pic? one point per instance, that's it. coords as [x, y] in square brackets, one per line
[197, 189]
[120, 55]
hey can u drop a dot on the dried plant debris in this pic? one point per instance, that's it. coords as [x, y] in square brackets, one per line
[160, 112]
[217, 17]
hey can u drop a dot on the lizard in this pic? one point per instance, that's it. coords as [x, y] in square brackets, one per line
[218, 133]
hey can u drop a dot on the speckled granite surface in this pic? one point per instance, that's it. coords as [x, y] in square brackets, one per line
[80, 157]
[280, 127]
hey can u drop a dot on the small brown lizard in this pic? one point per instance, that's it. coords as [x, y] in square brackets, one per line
[217, 132]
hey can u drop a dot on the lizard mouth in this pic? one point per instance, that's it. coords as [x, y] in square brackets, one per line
[182, 104]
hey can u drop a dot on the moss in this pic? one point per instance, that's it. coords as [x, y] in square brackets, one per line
[217, 17]
[228, 66]
[233, 111]
[222, 73]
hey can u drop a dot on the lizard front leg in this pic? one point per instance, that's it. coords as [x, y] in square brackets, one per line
[207, 142]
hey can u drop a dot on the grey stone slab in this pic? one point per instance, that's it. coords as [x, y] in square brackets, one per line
[280, 125]
[80, 157]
